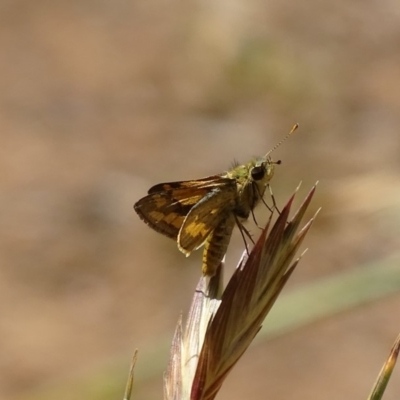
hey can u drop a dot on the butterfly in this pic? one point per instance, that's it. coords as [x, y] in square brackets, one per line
[204, 211]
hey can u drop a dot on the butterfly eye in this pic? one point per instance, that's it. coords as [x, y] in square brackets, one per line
[258, 172]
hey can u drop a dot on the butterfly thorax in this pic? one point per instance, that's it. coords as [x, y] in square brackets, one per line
[251, 181]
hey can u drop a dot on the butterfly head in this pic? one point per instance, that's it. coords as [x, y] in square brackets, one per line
[263, 170]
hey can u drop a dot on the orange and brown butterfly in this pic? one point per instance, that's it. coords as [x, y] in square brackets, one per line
[204, 211]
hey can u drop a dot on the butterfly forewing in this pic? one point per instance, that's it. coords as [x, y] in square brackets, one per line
[205, 216]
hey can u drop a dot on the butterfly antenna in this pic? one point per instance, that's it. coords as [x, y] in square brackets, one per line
[295, 126]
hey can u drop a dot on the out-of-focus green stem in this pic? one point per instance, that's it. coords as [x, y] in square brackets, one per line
[386, 372]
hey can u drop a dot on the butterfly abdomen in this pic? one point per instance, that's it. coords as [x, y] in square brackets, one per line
[216, 245]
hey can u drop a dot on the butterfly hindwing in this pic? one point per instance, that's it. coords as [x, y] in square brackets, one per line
[162, 213]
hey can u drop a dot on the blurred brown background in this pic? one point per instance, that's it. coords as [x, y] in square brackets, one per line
[99, 100]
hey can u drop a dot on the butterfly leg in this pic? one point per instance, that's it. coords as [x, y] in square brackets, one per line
[275, 207]
[244, 231]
